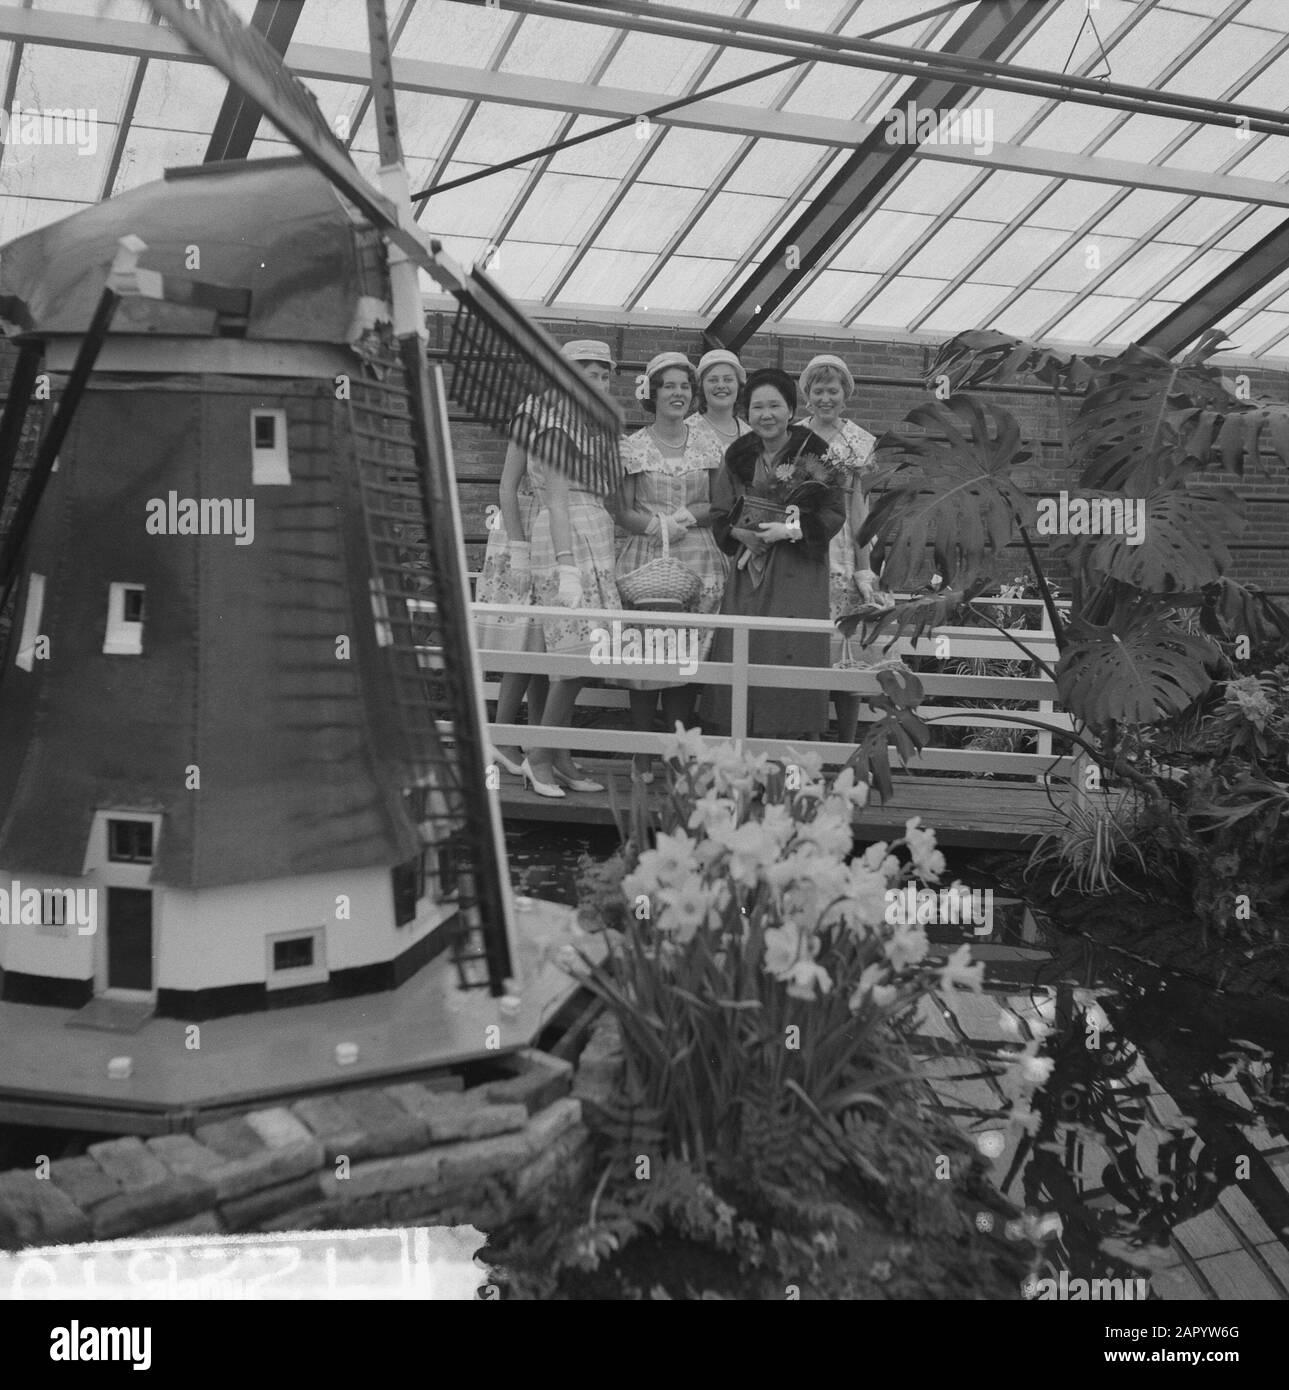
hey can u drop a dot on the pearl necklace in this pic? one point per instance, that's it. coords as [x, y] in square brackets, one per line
[677, 448]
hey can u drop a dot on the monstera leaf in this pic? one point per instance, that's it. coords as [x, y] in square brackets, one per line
[928, 608]
[1137, 671]
[1144, 417]
[963, 504]
[985, 357]
[1182, 542]
[899, 724]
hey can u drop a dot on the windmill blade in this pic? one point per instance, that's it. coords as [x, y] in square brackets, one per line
[497, 324]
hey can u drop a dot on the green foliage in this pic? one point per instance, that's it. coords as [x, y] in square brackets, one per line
[1083, 851]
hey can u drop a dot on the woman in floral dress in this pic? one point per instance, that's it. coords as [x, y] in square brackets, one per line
[572, 567]
[669, 465]
[720, 381]
[507, 578]
[825, 386]
[781, 568]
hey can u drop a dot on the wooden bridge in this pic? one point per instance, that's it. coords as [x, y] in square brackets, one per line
[976, 797]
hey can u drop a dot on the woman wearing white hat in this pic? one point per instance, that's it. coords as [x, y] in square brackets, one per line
[669, 464]
[572, 567]
[721, 379]
[825, 386]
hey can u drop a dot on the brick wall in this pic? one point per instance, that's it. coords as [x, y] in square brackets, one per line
[888, 384]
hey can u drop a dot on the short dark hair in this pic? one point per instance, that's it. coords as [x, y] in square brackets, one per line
[650, 402]
[772, 376]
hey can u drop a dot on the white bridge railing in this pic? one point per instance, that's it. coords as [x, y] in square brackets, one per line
[947, 644]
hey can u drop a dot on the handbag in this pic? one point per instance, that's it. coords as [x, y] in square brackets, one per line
[750, 511]
[662, 583]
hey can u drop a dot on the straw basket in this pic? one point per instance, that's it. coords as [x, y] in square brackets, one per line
[663, 583]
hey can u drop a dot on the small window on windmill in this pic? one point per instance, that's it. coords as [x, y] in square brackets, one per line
[296, 958]
[124, 636]
[269, 464]
[129, 841]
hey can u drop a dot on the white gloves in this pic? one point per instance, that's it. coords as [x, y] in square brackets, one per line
[684, 517]
[675, 527]
[570, 586]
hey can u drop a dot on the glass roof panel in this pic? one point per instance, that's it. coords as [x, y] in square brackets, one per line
[562, 208]
[1142, 139]
[526, 269]
[179, 96]
[929, 187]
[1071, 128]
[497, 133]
[730, 225]
[424, 124]
[882, 240]
[1136, 214]
[831, 296]
[1009, 112]
[969, 306]
[1202, 219]
[545, 47]
[952, 249]
[1071, 203]
[898, 303]
[1260, 332]
[1083, 263]
[1267, 160]
[1065, 34]
[92, 81]
[1088, 320]
[1192, 278]
[18, 216]
[1209, 148]
[692, 158]
[739, 62]
[1029, 311]
[877, 14]
[438, 28]
[647, 216]
[1003, 195]
[829, 89]
[1151, 45]
[149, 153]
[607, 155]
[1253, 228]
[774, 167]
[1019, 254]
[1268, 87]
[1140, 322]
[1229, 50]
[652, 63]
[605, 278]
[137, 11]
[684, 283]
[476, 208]
[1145, 268]
[1268, 13]
[334, 26]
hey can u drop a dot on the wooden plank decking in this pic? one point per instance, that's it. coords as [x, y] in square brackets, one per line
[970, 812]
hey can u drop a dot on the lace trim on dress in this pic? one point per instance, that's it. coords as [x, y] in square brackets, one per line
[641, 454]
[853, 448]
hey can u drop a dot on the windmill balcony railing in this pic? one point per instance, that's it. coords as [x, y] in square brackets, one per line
[998, 694]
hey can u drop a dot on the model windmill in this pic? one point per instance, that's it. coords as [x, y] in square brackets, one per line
[241, 700]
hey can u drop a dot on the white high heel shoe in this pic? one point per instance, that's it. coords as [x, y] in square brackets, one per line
[515, 769]
[541, 788]
[577, 784]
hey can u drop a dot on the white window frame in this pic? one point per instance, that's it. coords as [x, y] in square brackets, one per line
[31, 618]
[270, 467]
[315, 974]
[122, 638]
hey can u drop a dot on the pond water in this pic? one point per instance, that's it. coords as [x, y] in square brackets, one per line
[1165, 1092]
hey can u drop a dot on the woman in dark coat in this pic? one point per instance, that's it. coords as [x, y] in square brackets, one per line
[782, 567]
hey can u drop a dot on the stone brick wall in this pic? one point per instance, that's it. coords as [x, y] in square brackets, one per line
[888, 384]
[404, 1154]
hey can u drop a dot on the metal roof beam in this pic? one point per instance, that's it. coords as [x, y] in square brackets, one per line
[238, 118]
[1257, 267]
[860, 182]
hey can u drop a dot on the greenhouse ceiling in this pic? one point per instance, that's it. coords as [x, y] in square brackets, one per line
[881, 188]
